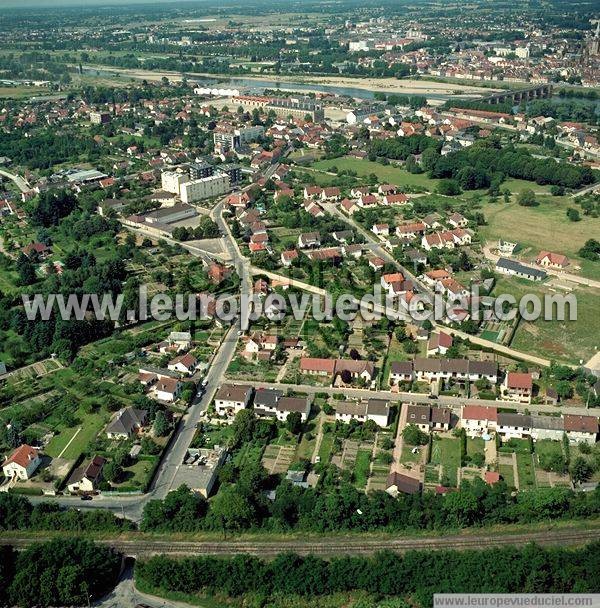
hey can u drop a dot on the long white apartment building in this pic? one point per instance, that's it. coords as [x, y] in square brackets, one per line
[206, 187]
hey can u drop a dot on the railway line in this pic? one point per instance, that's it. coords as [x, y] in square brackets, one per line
[328, 547]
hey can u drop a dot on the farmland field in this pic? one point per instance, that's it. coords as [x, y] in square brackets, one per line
[385, 173]
[567, 341]
[543, 227]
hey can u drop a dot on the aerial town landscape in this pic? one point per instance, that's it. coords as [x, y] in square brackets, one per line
[299, 302]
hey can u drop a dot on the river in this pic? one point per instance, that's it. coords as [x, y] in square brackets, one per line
[258, 84]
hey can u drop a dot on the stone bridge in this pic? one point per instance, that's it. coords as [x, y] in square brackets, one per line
[542, 91]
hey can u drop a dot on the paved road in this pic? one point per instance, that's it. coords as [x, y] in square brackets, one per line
[359, 393]
[126, 595]
[20, 182]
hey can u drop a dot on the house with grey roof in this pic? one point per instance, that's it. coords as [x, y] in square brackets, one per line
[514, 268]
[126, 423]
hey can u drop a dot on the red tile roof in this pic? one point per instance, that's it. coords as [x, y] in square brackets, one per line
[519, 380]
[22, 456]
[479, 412]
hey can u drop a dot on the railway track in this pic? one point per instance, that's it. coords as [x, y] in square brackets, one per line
[336, 546]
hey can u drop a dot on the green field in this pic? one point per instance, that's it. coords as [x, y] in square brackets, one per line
[508, 474]
[325, 446]
[567, 341]
[526, 472]
[361, 468]
[90, 427]
[546, 449]
[385, 173]
[545, 227]
[446, 451]
[475, 445]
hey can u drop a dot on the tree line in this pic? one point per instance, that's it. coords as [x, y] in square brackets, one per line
[17, 513]
[486, 164]
[57, 573]
[415, 576]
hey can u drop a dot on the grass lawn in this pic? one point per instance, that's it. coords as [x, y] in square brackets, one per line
[407, 454]
[135, 475]
[508, 474]
[546, 449]
[566, 341]
[91, 424]
[361, 468]
[385, 173]
[526, 472]
[475, 445]
[517, 186]
[395, 353]
[325, 446]
[543, 227]
[446, 451]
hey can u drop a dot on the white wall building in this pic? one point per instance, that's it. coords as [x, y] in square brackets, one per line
[207, 187]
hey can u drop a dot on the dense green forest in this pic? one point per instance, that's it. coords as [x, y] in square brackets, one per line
[57, 573]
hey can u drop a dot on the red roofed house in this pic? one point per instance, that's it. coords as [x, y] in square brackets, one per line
[186, 364]
[547, 259]
[439, 343]
[581, 429]
[478, 419]
[317, 367]
[388, 279]
[22, 463]
[517, 387]
[395, 199]
[330, 194]
[287, 257]
[39, 248]
[217, 272]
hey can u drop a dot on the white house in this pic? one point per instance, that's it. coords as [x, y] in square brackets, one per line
[581, 429]
[185, 364]
[86, 479]
[168, 389]
[377, 410]
[478, 419]
[231, 398]
[22, 463]
[513, 426]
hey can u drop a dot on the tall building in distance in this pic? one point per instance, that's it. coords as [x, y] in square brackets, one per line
[592, 45]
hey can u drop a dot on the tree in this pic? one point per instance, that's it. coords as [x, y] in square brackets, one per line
[414, 435]
[527, 198]
[590, 250]
[573, 214]
[449, 187]
[161, 424]
[26, 270]
[294, 422]
[112, 471]
[346, 376]
[581, 470]
[564, 389]
[230, 510]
